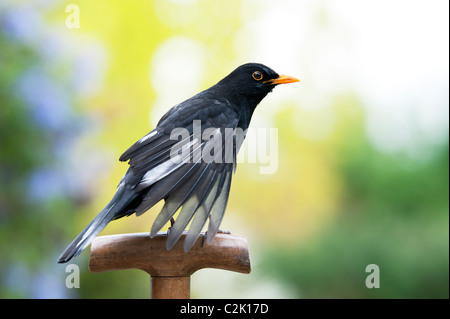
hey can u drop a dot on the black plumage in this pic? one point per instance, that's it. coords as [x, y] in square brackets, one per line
[189, 172]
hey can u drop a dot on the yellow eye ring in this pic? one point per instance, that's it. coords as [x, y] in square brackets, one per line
[257, 75]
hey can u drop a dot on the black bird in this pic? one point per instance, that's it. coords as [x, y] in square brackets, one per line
[175, 161]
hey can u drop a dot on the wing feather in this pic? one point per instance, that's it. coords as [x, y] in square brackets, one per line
[202, 213]
[218, 210]
[174, 201]
[190, 207]
[199, 189]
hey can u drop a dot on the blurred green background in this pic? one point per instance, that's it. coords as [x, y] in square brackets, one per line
[363, 158]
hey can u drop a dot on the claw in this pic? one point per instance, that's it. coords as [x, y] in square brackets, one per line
[172, 221]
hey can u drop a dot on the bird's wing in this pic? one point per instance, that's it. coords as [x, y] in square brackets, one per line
[204, 194]
[197, 179]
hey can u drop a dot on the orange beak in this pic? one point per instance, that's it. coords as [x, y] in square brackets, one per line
[283, 79]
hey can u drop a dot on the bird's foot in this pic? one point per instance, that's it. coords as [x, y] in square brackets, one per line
[172, 221]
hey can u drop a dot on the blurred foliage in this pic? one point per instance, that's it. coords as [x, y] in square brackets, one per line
[29, 227]
[393, 213]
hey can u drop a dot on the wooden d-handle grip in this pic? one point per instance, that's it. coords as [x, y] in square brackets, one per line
[170, 270]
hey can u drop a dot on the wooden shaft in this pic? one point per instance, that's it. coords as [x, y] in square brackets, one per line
[170, 287]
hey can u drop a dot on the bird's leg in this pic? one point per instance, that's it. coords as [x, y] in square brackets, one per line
[172, 221]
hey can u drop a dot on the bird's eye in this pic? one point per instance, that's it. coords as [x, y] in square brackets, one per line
[257, 75]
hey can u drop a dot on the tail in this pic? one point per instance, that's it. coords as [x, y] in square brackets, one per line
[113, 210]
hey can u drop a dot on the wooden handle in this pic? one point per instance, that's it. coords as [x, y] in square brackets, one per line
[170, 287]
[170, 269]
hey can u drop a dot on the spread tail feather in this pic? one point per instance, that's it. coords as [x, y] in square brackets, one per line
[87, 235]
[115, 209]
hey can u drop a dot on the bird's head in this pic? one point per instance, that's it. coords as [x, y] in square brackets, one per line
[253, 81]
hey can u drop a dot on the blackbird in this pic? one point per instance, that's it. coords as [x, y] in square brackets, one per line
[187, 160]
